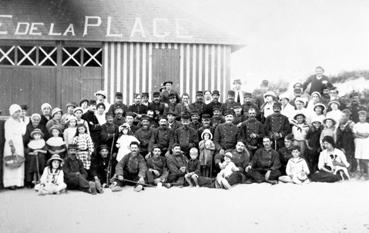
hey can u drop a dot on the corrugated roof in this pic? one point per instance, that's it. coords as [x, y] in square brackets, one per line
[107, 20]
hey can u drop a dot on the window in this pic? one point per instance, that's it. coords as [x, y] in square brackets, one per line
[27, 55]
[47, 56]
[92, 57]
[7, 55]
[71, 56]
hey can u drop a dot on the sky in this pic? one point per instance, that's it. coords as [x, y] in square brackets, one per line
[287, 39]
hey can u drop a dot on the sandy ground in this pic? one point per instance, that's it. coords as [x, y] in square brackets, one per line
[317, 207]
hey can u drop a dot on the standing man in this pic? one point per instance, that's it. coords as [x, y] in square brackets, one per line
[161, 136]
[118, 102]
[226, 135]
[252, 132]
[167, 91]
[185, 135]
[237, 90]
[199, 104]
[317, 82]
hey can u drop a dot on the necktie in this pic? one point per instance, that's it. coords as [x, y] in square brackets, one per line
[238, 97]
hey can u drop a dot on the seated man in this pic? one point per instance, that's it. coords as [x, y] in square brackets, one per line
[157, 170]
[265, 164]
[75, 176]
[177, 165]
[130, 170]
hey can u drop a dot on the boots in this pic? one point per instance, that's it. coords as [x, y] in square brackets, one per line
[92, 189]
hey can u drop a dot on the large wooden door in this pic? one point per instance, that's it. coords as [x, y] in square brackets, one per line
[165, 67]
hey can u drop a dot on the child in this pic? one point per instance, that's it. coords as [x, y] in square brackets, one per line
[36, 160]
[55, 144]
[78, 112]
[299, 130]
[71, 131]
[85, 146]
[193, 171]
[52, 179]
[329, 130]
[297, 169]
[207, 149]
[227, 167]
[124, 141]
[361, 132]
[313, 143]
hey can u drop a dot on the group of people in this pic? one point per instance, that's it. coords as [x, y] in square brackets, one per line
[310, 135]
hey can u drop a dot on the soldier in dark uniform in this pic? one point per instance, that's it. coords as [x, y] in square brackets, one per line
[118, 115]
[265, 164]
[167, 90]
[157, 169]
[109, 130]
[209, 109]
[226, 135]
[206, 124]
[151, 116]
[161, 136]
[195, 120]
[171, 106]
[217, 118]
[100, 165]
[277, 126]
[230, 102]
[184, 106]
[145, 99]
[130, 119]
[177, 164]
[118, 102]
[157, 106]
[252, 131]
[186, 136]
[138, 108]
[199, 104]
[144, 135]
[250, 102]
[239, 117]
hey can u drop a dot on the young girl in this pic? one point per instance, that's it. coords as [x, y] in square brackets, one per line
[71, 131]
[85, 146]
[313, 143]
[78, 112]
[207, 149]
[52, 179]
[361, 132]
[55, 144]
[297, 169]
[124, 141]
[36, 159]
[227, 169]
[299, 131]
[329, 130]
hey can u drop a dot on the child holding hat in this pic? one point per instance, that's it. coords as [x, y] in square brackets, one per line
[55, 144]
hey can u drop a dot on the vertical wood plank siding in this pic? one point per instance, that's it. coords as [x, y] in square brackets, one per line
[128, 68]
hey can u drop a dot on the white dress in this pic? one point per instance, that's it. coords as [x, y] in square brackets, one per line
[14, 130]
[361, 144]
[123, 144]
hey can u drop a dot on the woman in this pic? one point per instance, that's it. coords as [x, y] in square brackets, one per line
[14, 130]
[332, 163]
[100, 113]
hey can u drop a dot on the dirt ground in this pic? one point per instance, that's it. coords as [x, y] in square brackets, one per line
[316, 207]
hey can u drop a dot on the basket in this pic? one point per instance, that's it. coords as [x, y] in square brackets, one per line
[13, 161]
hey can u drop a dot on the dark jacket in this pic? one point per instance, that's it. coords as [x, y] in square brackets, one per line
[265, 160]
[134, 165]
[175, 162]
[226, 136]
[159, 164]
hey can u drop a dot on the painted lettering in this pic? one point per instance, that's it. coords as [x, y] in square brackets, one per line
[70, 29]
[160, 23]
[181, 31]
[51, 31]
[34, 28]
[137, 28]
[108, 29]
[20, 26]
[4, 16]
[88, 24]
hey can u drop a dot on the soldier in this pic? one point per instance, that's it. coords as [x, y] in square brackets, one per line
[195, 120]
[217, 118]
[177, 166]
[118, 115]
[161, 136]
[171, 106]
[157, 106]
[145, 99]
[249, 102]
[186, 136]
[118, 101]
[109, 132]
[206, 124]
[144, 135]
[209, 109]
[184, 106]
[226, 134]
[167, 90]
[172, 122]
[252, 131]
[137, 107]
[230, 102]
[199, 104]
[277, 126]
[239, 117]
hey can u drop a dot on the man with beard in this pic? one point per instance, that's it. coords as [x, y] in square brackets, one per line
[265, 164]
[151, 117]
[185, 135]
[230, 102]
[195, 120]
[161, 136]
[252, 131]
[198, 105]
[130, 118]
[157, 106]
[157, 170]
[167, 91]
[118, 115]
[226, 135]
[118, 102]
[137, 107]
[184, 106]
[109, 132]
[249, 102]
[177, 166]
[217, 118]
[206, 124]
[131, 169]
[100, 166]
[277, 126]
[144, 135]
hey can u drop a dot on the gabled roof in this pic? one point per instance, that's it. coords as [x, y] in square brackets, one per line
[106, 20]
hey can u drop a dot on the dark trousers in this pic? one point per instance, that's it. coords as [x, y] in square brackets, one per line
[150, 177]
[77, 182]
[259, 175]
[176, 179]
[130, 179]
[323, 176]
